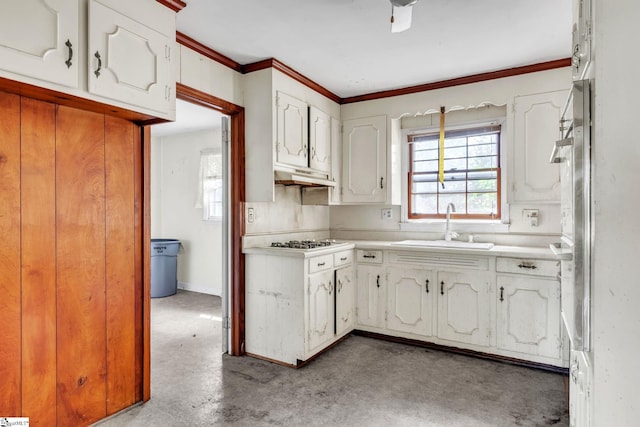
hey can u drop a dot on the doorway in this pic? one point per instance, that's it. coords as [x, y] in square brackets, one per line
[189, 200]
[236, 223]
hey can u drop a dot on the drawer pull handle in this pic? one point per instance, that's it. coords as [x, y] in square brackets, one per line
[381, 182]
[378, 281]
[442, 287]
[527, 266]
[343, 258]
[97, 72]
[320, 264]
[426, 285]
[501, 293]
[69, 46]
[369, 256]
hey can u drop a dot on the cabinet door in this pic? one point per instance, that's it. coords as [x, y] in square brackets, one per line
[292, 131]
[529, 315]
[39, 39]
[345, 300]
[370, 287]
[410, 301]
[536, 119]
[319, 140]
[320, 325]
[364, 157]
[464, 307]
[129, 61]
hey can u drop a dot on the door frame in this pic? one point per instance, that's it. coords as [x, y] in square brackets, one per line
[236, 224]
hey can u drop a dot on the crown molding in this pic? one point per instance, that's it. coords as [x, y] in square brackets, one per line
[175, 5]
[193, 44]
[475, 78]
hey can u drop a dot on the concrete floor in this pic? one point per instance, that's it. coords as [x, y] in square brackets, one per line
[361, 382]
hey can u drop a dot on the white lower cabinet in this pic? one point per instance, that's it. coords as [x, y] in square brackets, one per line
[370, 291]
[529, 315]
[464, 307]
[345, 300]
[410, 294]
[296, 306]
[320, 301]
[504, 306]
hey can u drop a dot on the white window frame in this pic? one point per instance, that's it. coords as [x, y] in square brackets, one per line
[205, 194]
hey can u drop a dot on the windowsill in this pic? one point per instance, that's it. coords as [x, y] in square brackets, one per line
[459, 226]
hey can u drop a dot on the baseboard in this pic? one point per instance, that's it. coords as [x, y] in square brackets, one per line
[473, 353]
[202, 289]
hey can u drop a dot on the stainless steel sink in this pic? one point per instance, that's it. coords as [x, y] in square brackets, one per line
[444, 244]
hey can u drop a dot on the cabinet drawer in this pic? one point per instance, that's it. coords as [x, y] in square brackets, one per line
[369, 257]
[342, 258]
[320, 263]
[532, 267]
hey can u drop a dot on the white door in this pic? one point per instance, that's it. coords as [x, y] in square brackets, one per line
[292, 131]
[345, 300]
[129, 61]
[226, 233]
[464, 307]
[529, 315]
[321, 309]
[39, 39]
[319, 140]
[364, 157]
[410, 301]
[370, 288]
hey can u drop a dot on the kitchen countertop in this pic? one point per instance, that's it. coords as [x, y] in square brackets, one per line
[299, 253]
[504, 251]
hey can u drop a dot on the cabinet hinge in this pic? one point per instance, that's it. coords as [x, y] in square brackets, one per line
[386, 315]
[226, 322]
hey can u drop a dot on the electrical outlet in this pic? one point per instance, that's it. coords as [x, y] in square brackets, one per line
[533, 215]
[251, 215]
[386, 213]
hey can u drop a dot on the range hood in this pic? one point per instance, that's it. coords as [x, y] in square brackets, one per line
[301, 177]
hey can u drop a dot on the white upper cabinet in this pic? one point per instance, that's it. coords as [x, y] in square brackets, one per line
[130, 60]
[124, 49]
[535, 130]
[40, 39]
[292, 133]
[364, 160]
[319, 140]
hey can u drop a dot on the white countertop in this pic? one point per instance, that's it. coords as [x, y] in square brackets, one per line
[506, 251]
[300, 253]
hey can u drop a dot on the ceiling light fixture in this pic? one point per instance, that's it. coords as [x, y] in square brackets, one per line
[401, 15]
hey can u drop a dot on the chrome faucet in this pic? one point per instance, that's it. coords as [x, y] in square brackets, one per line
[448, 234]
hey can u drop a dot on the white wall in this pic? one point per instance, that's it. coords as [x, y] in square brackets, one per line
[616, 287]
[175, 163]
[359, 221]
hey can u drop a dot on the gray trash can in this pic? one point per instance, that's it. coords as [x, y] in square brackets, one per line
[164, 267]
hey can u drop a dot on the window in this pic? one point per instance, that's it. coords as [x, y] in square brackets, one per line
[471, 174]
[211, 185]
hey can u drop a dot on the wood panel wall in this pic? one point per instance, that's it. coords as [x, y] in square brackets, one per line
[70, 263]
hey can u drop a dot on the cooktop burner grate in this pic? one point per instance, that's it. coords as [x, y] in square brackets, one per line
[303, 244]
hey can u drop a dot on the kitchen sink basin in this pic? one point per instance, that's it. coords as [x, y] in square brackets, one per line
[444, 244]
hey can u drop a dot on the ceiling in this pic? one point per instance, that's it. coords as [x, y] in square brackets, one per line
[347, 46]
[189, 118]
